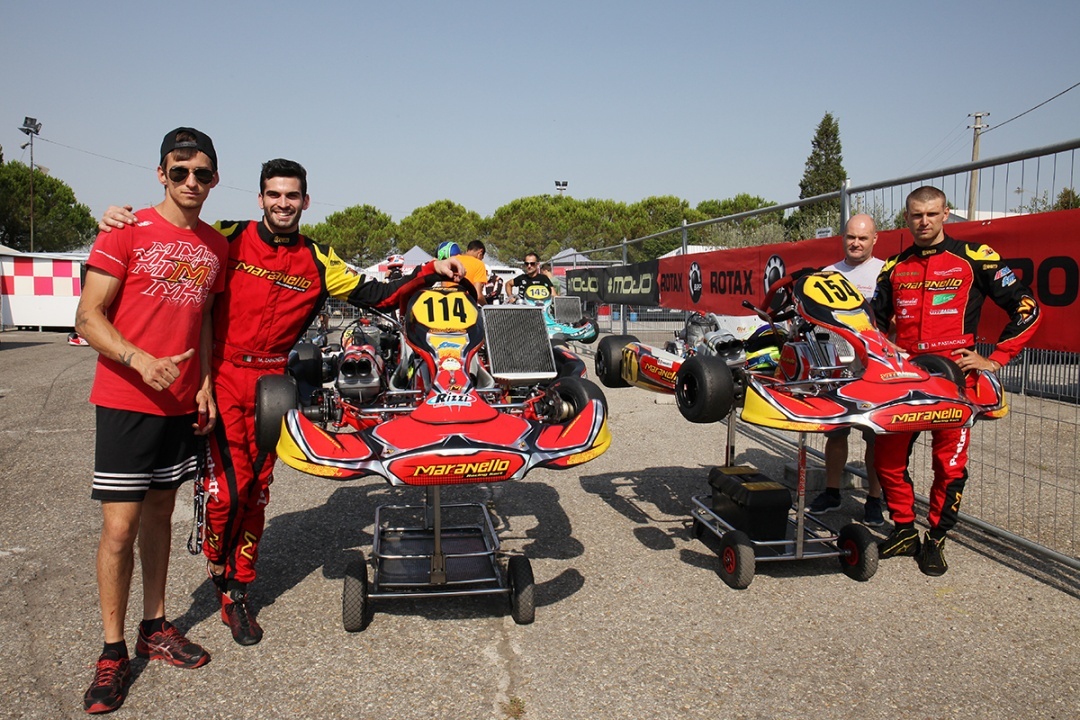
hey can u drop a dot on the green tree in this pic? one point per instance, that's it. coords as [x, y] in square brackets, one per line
[441, 221]
[360, 234]
[547, 224]
[1067, 199]
[747, 232]
[653, 215]
[528, 224]
[1036, 204]
[824, 173]
[61, 223]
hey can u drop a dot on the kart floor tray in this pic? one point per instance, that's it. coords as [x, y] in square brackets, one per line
[404, 558]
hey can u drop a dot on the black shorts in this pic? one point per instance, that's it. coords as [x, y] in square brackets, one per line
[867, 435]
[136, 452]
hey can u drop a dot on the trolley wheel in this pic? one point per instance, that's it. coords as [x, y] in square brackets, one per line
[860, 558]
[355, 605]
[522, 589]
[736, 559]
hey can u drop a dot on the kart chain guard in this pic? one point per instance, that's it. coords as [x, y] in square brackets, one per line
[517, 344]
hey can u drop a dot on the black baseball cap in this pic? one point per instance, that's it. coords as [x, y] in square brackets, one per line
[202, 143]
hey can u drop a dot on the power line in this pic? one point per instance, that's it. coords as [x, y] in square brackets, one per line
[953, 136]
[1034, 108]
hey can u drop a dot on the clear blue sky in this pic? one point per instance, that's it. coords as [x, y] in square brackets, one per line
[400, 104]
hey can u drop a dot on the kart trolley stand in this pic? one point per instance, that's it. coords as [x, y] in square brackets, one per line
[749, 536]
[416, 556]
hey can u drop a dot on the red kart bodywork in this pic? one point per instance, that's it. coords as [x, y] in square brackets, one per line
[649, 368]
[810, 391]
[447, 431]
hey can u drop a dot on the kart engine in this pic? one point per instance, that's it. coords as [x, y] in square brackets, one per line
[361, 366]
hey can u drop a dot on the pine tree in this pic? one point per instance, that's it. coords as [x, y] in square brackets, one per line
[824, 173]
[825, 167]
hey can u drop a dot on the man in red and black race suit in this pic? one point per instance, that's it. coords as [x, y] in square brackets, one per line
[276, 282]
[934, 291]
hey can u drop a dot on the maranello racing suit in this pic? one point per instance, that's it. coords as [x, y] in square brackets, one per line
[274, 287]
[935, 295]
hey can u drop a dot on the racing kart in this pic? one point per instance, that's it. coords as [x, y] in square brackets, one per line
[453, 393]
[715, 360]
[564, 318]
[811, 389]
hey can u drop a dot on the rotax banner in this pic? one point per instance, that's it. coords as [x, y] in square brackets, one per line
[1042, 249]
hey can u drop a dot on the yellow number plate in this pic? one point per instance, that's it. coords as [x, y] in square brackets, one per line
[833, 291]
[444, 311]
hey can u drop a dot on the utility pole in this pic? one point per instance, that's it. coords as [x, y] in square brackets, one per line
[973, 195]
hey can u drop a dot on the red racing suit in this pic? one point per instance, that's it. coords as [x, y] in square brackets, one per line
[935, 295]
[274, 288]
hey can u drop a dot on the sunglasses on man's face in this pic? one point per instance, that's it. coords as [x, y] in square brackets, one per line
[180, 174]
[530, 264]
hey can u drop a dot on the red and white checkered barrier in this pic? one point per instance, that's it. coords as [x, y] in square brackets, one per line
[39, 290]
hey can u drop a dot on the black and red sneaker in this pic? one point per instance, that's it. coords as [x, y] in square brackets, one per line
[170, 645]
[109, 688]
[237, 614]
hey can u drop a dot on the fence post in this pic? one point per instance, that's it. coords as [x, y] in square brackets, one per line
[622, 306]
[845, 205]
[684, 236]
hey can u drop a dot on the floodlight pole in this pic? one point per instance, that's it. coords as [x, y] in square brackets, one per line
[31, 127]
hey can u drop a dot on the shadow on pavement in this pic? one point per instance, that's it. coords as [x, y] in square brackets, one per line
[527, 515]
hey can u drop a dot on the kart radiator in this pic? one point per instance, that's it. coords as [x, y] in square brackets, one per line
[567, 309]
[517, 344]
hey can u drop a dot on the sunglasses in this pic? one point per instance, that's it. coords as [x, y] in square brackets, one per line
[531, 264]
[180, 174]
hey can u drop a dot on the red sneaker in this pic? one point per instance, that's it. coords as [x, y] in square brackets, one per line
[109, 688]
[170, 645]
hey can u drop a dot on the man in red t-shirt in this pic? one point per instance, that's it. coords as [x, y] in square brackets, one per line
[145, 307]
[277, 279]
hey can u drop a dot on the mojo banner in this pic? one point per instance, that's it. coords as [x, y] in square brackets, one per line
[630, 284]
[1042, 249]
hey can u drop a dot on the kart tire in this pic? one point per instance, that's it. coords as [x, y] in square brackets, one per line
[938, 365]
[522, 590]
[859, 560]
[609, 360]
[576, 392]
[275, 395]
[736, 560]
[704, 389]
[307, 366]
[590, 335]
[355, 603]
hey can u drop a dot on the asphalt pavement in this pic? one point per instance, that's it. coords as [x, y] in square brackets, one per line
[632, 620]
